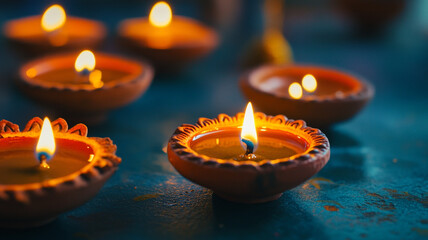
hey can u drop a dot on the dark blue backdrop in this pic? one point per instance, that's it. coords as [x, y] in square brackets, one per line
[377, 175]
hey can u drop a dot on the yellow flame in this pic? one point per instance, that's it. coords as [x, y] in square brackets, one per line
[85, 61]
[53, 18]
[160, 15]
[46, 143]
[249, 127]
[95, 79]
[309, 83]
[295, 90]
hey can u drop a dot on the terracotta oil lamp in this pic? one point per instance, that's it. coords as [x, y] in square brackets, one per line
[85, 86]
[320, 96]
[248, 158]
[48, 169]
[52, 32]
[167, 40]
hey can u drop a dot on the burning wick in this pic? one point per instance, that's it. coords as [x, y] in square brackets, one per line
[249, 133]
[250, 146]
[45, 148]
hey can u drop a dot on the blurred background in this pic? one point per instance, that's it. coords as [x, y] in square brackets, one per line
[384, 147]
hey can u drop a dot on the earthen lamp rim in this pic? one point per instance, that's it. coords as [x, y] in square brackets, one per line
[138, 71]
[98, 25]
[360, 88]
[103, 149]
[317, 143]
[211, 37]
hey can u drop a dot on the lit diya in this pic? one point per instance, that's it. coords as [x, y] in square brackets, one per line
[48, 169]
[165, 39]
[248, 158]
[320, 96]
[85, 86]
[54, 31]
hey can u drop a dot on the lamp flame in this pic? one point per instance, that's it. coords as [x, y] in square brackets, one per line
[53, 18]
[46, 145]
[160, 15]
[248, 132]
[309, 83]
[85, 62]
[295, 90]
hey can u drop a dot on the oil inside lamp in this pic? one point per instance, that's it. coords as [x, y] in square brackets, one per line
[85, 67]
[52, 21]
[249, 133]
[160, 15]
[45, 148]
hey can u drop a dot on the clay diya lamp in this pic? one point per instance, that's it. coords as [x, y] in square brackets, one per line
[83, 88]
[167, 40]
[48, 169]
[52, 32]
[246, 158]
[318, 95]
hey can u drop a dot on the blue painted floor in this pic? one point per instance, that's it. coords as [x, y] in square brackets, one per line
[374, 187]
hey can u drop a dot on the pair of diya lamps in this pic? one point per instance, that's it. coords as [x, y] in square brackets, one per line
[254, 158]
[164, 39]
[47, 169]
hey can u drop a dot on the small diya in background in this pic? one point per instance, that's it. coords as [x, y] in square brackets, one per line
[320, 96]
[84, 87]
[48, 169]
[53, 32]
[167, 41]
[248, 158]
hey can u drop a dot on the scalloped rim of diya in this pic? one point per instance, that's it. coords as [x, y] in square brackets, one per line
[95, 36]
[140, 71]
[99, 169]
[360, 92]
[317, 152]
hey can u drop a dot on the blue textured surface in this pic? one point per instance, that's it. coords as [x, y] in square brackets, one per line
[376, 178]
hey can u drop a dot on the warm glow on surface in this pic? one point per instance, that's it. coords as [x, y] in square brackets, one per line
[85, 61]
[95, 79]
[248, 131]
[53, 18]
[46, 144]
[295, 90]
[160, 15]
[309, 83]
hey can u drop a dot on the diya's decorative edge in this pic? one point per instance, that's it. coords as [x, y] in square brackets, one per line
[318, 143]
[104, 161]
[145, 75]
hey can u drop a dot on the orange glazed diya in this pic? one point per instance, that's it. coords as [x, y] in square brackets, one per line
[320, 96]
[82, 88]
[52, 32]
[283, 154]
[167, 40]
[33, 193]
